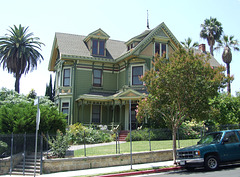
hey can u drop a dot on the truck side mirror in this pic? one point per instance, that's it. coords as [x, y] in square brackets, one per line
[225, 140]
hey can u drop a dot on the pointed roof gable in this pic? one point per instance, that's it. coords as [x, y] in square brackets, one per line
[129, 94]
[160, 32]
[99, 34]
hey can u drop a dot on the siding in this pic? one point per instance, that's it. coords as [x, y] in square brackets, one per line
[83, 81]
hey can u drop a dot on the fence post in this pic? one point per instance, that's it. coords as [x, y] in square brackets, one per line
[84, 144]
[150, 148]
[118, 144]
[41, 154]
[11, 165]
[24, 153]
[116, 141]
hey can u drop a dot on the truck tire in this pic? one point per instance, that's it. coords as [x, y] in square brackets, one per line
[211, 163]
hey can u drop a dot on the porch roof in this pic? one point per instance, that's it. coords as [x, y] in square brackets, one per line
[128, 94]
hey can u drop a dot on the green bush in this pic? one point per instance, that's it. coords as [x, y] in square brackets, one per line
[3, 147]
[153, 134]
[59, 145]
[18, 115]
[78, 132]
[190, 130]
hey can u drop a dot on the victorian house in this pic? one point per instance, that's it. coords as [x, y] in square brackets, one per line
[96, 77]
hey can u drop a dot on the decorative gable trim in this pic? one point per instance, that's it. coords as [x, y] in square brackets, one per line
[98, 34]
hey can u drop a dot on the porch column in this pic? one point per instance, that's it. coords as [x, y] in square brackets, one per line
[82, 112]
[113, 117]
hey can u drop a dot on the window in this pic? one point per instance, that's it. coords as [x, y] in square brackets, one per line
[137, 72]
[65, 108]
[58, 78]
[97, 77]
[98, 47]
[231, 137]
[130, 46]
[161, 49]
[66, 77]
[96, 113]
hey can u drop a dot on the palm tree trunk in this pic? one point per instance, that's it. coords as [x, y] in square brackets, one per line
[228, 74]
[17, 83]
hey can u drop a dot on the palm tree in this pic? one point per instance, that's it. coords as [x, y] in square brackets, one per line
[187, 44]
[212, 31]
[19, 52]
[226, 43]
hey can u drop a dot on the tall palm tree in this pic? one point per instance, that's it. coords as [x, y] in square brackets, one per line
[19, 52]
[226, 43]
[212, 31]
[187, 44]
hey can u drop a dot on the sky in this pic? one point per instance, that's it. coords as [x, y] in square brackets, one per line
[120, 19]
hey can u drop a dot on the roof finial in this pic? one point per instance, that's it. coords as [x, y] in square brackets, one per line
[147, 21]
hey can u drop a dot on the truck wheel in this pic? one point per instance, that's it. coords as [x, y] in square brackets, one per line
[211, 162]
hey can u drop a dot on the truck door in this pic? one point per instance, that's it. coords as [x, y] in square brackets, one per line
[230, 146]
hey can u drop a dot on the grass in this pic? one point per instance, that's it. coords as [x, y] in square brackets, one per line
[137, 146]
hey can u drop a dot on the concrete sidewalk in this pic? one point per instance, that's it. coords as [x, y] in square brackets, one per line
[99, 171]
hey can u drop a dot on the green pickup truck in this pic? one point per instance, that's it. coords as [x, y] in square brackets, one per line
[213, 149]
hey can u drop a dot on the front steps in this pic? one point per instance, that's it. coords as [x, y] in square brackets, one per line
[123, 134]
[29, 166]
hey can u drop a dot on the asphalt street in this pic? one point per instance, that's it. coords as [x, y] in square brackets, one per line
[228, 170]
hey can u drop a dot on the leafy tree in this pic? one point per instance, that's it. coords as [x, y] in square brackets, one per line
[226, 43]
[179, 89]
[32, 94]
[19, 52]
[188, 44]
[212, 31]
[18, 114]
[225, 109]
[49, 90]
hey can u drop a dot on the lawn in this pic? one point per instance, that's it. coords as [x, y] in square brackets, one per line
[137, 146]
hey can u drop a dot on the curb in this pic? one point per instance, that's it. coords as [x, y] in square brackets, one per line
[142, 172]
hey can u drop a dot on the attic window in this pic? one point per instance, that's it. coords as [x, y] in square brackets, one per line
[98, 47]
[161, 49]
[130, 46]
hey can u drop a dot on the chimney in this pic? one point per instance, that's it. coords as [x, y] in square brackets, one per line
[202, 48]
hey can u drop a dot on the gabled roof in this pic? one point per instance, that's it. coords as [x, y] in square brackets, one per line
[99, 34]
[72, 46]
[123, 95]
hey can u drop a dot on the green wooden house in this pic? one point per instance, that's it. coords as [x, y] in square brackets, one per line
[96, 77]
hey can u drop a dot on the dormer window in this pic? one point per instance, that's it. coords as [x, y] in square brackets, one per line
[98, 47]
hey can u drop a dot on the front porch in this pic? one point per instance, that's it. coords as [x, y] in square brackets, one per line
[111, 111]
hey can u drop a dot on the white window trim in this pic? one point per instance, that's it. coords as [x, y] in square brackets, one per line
[70, 76]
[69, 107]
[160, 54]
[134, 65]
[101, 78]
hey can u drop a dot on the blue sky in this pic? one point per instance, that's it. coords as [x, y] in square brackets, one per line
[121, 20]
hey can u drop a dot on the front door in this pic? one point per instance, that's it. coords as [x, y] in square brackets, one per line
[134, 123]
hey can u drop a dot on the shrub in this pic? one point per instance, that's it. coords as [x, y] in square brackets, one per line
[153, 134]
[59, 145]
[78, 132]
[18, 114]
[3, 147]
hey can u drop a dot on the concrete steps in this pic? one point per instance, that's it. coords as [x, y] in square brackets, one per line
[29, 166]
